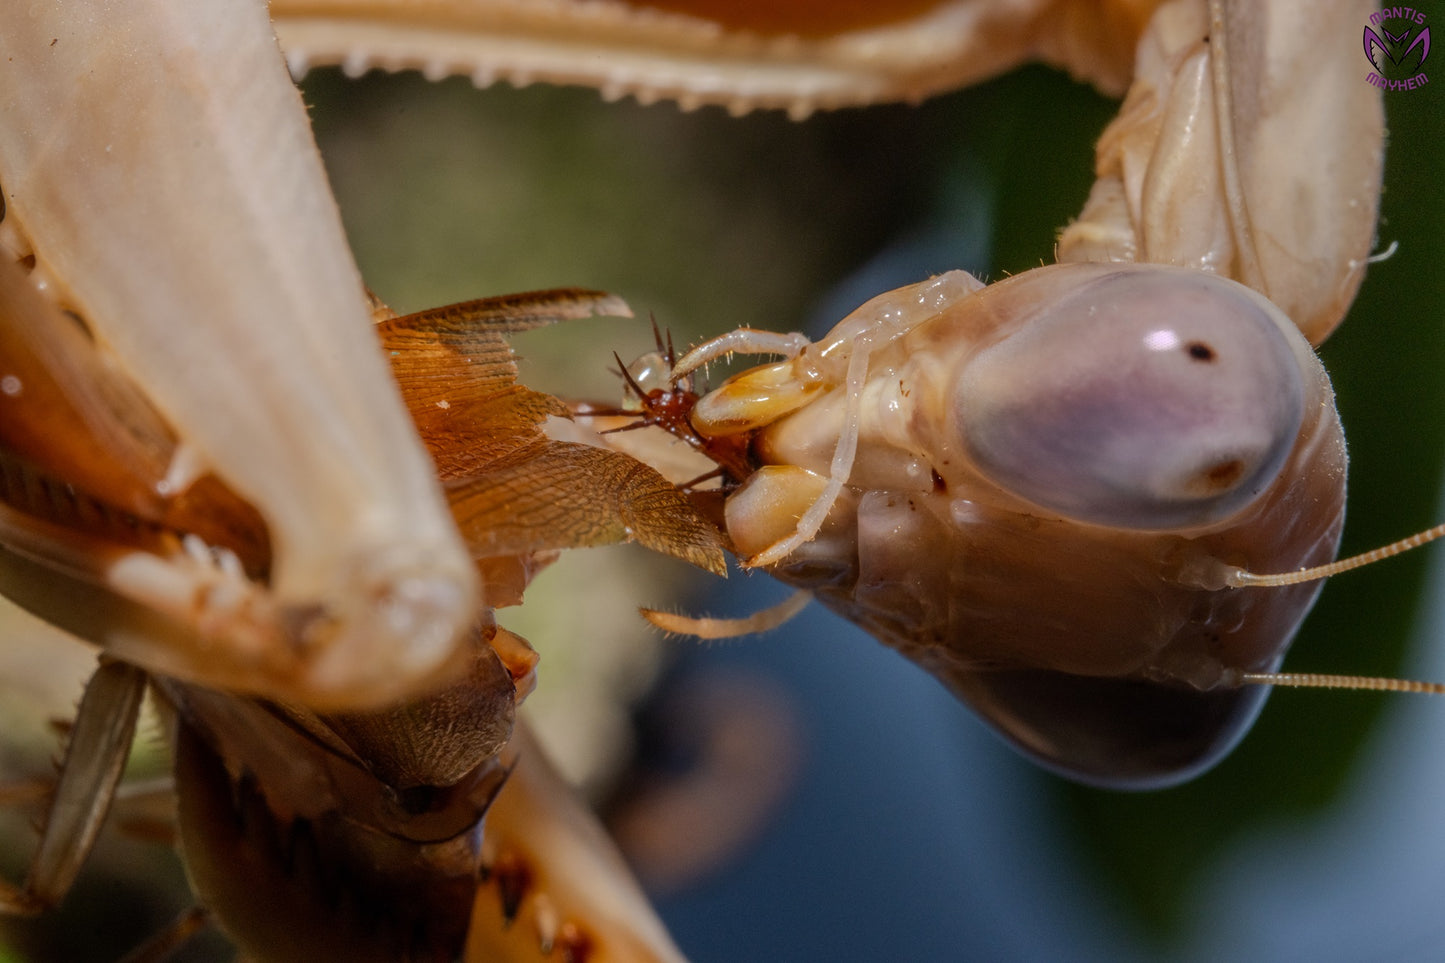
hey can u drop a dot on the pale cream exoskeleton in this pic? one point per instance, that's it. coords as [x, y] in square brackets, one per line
[207, 469]
[1038, 489]
[190, 227]
[1051, 474]
[136, 223]
[363, 828]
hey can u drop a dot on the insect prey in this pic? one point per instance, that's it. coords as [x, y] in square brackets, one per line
[288, 514]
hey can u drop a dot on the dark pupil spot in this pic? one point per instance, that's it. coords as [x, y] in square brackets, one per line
[1226, 473]
[1200, 351]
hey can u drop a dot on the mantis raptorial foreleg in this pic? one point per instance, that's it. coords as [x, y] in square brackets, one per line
[239, 325]
[1247, 146]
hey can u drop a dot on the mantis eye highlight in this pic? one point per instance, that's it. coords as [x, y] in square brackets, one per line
[1152, 399]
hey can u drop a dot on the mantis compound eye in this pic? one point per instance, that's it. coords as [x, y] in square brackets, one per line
[1149, 399]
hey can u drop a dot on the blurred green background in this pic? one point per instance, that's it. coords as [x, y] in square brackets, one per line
[711, 222]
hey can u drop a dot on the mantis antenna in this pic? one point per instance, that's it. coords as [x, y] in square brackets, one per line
[1239, 578]
[1315, 680]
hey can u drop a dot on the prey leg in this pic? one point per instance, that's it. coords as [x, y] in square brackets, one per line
[94, 760]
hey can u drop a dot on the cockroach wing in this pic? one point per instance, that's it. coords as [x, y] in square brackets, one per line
[513, 490]
[558, 494]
